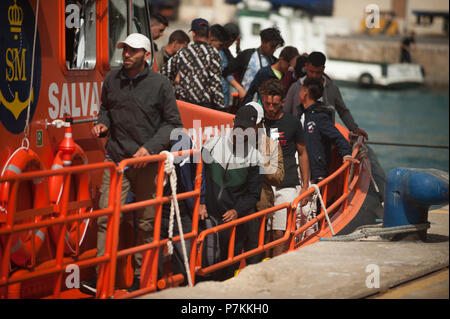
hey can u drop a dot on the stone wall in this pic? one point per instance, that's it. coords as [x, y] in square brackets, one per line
[432, 54]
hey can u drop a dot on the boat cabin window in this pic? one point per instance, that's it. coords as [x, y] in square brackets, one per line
[120, 26]
[81, 42]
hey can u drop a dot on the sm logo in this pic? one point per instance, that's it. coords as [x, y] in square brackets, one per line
[16, 35]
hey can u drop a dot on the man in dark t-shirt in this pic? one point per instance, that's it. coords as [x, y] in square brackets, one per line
[286, 129]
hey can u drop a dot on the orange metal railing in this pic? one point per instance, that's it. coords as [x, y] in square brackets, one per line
[149, 270]
[290, 234]
[11, 227]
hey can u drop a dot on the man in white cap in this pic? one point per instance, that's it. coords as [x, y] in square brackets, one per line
[138, 111]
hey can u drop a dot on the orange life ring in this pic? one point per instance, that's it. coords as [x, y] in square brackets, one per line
[22, 243]
[80, 191]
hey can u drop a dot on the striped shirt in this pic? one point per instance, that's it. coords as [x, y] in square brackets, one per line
[200, 71]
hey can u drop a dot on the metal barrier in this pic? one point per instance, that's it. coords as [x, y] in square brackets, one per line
[150, 251]
[59, 263]
[233, 224]
[348, 185]
[290, 233]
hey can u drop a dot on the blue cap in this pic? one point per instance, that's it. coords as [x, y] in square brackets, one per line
[198, 24]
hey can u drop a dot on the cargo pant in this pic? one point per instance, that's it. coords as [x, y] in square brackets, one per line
[142, 182]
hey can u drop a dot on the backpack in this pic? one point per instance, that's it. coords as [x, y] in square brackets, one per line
[211, 247]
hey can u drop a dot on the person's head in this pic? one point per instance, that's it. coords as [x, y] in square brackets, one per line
[158, 24]
[200, 29]
[271, 40]
[233, 32]
[177, 40]
[272, 96]
[315, 65]
[299, 67]
[246, 124]
[218, 37]
[287, 58]
[135, 52]
[311, 91]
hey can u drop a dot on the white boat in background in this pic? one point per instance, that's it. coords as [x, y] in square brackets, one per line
[368, 74]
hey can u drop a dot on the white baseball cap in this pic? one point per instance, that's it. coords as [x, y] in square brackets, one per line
[136, 41]
[259, 110]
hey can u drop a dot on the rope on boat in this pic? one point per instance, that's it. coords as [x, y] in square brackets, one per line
[169, 169]
[377, 230]
[364, 152]
[324, 208]
[22, 147]
[27, 123]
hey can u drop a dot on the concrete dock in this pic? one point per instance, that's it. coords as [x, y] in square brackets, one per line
[342, 270]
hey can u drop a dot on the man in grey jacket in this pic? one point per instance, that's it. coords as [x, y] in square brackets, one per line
[138, 111]
[315, 66]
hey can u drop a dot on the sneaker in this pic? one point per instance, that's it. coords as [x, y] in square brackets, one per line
[136, 284]
[89, 287]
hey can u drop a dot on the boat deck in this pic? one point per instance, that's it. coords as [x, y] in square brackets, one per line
[407, 269]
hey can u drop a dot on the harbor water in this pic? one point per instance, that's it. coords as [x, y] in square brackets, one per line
[408, 116]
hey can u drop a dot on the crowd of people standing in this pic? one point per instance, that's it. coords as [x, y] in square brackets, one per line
[280, 143]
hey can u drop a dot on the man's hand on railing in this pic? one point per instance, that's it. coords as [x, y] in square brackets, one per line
[202, 211]
[141, 153]
[360, 131]
[304, 201]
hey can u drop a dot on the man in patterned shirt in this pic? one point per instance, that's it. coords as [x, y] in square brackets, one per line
[196, 70]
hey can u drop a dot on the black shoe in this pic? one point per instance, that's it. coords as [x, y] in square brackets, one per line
[136, 284]
[89, 287]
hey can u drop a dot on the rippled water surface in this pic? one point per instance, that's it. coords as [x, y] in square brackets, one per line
[411, 116]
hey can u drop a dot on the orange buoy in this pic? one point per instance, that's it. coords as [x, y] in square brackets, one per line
[80, 191]
[26, 243]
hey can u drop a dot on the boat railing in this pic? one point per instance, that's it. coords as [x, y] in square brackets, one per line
[108, 263]
[290, 235]
[150, 251]
[350, 181]
[17, 221]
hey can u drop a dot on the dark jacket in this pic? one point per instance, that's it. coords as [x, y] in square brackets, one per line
[229, 185]
[320, 135]
[331, 97]
[138, 112]
[263, 74]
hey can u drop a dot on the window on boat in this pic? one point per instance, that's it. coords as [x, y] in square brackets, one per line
[120, 26]
[80, 24]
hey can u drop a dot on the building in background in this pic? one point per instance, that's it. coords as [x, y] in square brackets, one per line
[352, 13]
